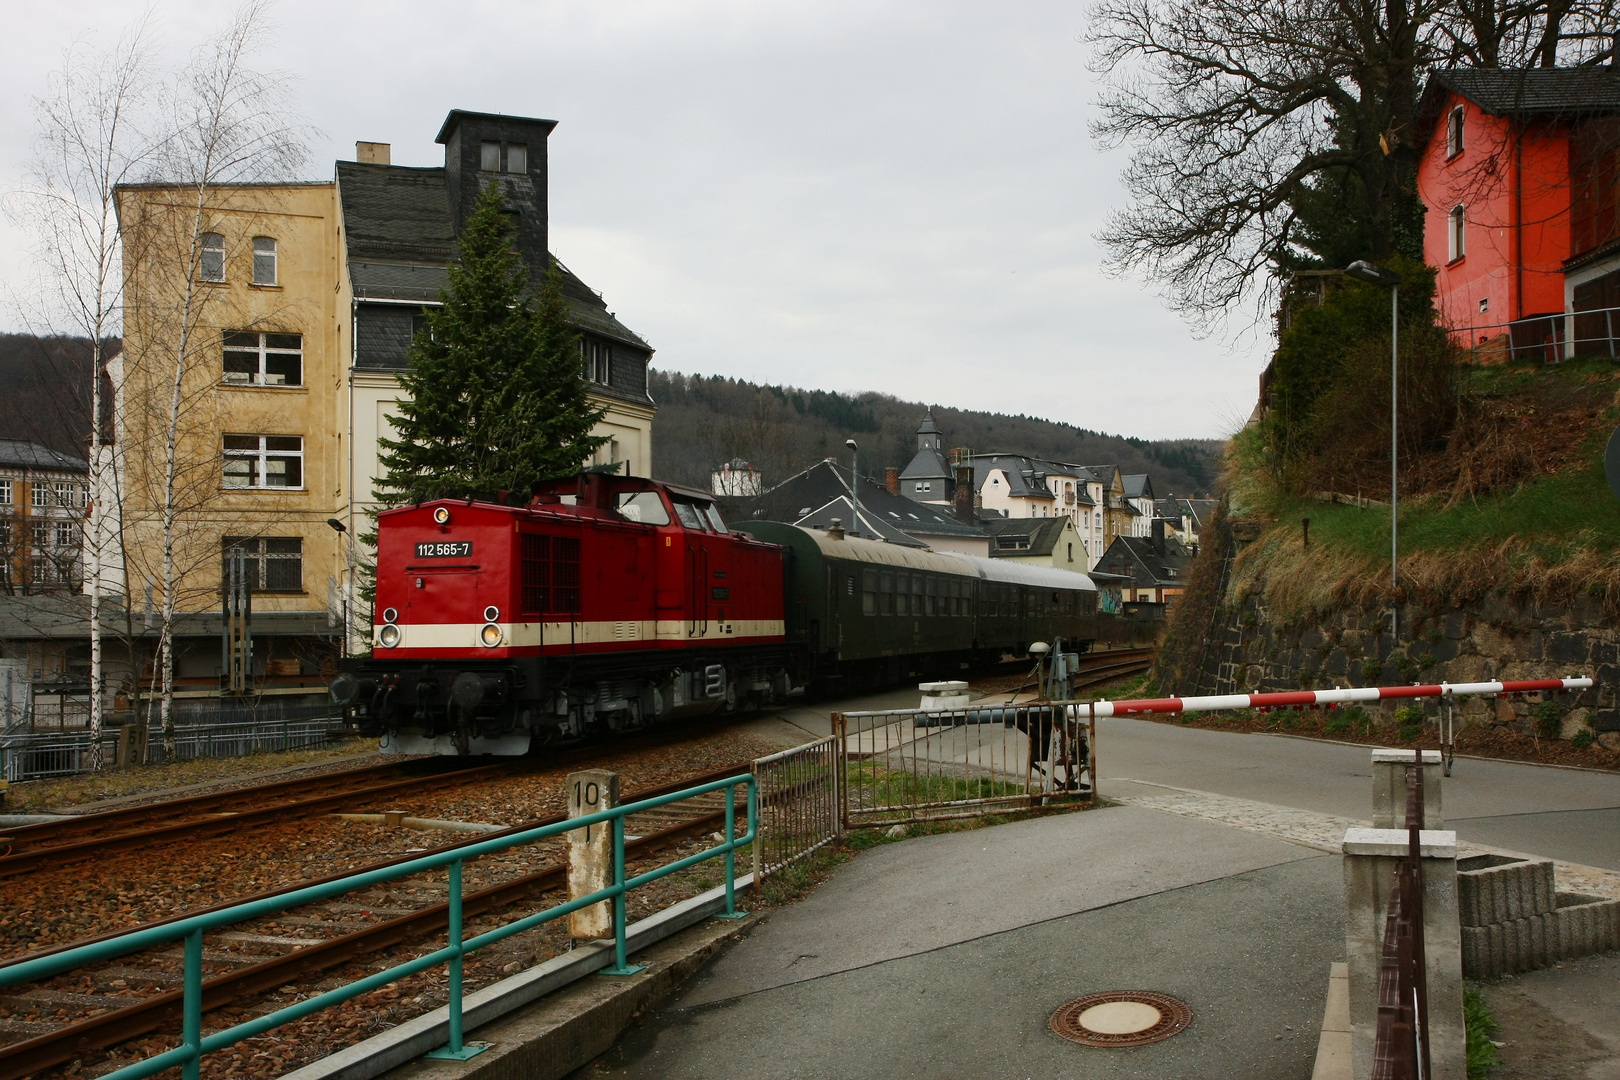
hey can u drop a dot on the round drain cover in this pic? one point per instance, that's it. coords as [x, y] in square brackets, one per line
[1121, 1018]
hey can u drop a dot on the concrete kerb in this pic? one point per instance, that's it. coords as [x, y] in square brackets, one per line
[1333, 1054]
[413, 1038]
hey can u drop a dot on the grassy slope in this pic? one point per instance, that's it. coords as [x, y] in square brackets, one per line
[1559, 530]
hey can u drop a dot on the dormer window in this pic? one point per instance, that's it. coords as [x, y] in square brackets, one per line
[211, 265]
[597, 360]
[1454, 132]
[503, 157]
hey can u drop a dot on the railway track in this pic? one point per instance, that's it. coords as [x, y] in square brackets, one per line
[107, 1016]
[63, 842]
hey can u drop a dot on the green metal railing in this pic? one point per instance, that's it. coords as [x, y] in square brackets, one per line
[188, 1055]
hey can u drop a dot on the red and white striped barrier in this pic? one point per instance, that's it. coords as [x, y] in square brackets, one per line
[1310, 699]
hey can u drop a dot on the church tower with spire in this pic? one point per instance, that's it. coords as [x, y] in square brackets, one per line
[928, 478]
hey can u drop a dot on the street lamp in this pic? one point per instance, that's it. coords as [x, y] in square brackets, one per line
[855, 483]
[343, 597]
[1378, 275]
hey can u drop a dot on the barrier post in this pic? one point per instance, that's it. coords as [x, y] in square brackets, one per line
[621, 966]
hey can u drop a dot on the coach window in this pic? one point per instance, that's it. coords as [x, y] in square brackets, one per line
[869, 593]
[886, 587]
[902, 606]
[917, 594]
[932, 591]
[643, 506]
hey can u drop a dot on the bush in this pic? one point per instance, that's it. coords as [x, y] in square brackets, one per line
[1371, 669]
[1549, 719]
[1410, 722]
[1338, 724]
[1583, 738]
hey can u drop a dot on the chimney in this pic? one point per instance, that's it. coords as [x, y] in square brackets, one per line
[891, 480]
[372, 153]
[1157, 532]
[835, 531]
[965, 501]
[489, 148]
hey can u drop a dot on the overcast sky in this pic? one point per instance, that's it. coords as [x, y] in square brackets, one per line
[845, 194]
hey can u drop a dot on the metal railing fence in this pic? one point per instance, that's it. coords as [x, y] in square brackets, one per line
[910, 765]
[798, 804]
[194, 1043]
[1550, 336]
[44, 755]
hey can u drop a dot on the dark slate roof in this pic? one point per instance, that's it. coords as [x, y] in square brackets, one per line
[1147, 567]
[1173, 507]
[818, 494]
[1138, 486]
[927, 465]
[16, 454]
[1025, 478]
[400, 236]
[1041, 533]
[1521, 91]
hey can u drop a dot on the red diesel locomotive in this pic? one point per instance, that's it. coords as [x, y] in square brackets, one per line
[603, 602]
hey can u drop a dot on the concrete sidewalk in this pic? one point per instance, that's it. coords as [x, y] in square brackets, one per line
[944, 956]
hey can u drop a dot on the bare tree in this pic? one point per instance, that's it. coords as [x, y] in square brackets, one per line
[1233, 108]
[228, 125]
[92, 138]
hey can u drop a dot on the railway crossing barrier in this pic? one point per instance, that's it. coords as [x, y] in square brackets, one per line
[194, 1043]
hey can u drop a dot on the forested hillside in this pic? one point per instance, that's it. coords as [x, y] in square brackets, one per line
[704, 420]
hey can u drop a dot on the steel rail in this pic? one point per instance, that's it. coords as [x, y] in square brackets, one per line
[202, 803]
[111, 1028]
[664, 789]
[16, 863]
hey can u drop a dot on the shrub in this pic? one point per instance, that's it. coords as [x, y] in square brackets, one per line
[1358, 719]
[1410, 722]
[1549, 719]
[1338, 724]
[1371, 669]
[1480, 1025]
[1249, 619]
[1583, 738]
[1407, 669]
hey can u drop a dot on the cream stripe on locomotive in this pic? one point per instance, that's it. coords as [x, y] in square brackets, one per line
[528, 634]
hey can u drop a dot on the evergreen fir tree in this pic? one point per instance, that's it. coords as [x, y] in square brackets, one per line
[497, 399]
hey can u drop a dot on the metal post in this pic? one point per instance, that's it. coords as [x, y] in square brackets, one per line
[1414, 826]
[1092, 735]
[621, 965]
[457, 1050]
[191, 1007]
[1394, 451]
[731, 911]
[1608, 329]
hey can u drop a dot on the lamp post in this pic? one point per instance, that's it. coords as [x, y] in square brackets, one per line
[343, 587]
[854, 483]
[1378, 275]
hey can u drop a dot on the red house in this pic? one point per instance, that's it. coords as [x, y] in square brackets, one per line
[1519, 173]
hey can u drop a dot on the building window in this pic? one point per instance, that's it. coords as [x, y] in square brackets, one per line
[5, 492]
[1454, 132]
[64, 535]
[270, 563]
[39, 494]
[264, 461]
[517, 157]
[1454, 235]
[489, 157]
[64, 494]
[211, 265]
[597, 359]
[1071, 553]
[39, 535]
[264, 260]
[264, 359]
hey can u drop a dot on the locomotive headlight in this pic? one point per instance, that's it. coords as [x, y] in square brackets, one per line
[388, 636]
[441, 514]
[492, 614]
[390, 615]
[490, 635]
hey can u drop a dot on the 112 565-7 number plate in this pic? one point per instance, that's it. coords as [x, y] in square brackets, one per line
[444, 549]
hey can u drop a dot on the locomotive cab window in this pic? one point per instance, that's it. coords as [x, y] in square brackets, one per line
[716, 522]
[646, 507]
[690, 516]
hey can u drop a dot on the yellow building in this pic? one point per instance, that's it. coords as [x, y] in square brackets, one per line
[285, 331]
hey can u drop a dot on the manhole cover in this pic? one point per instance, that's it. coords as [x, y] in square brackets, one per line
[1121, 1018]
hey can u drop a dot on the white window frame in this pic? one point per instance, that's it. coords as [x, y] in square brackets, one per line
[1456, 233]
[261, 458]
[5, 492]
[63, 535]
[597, 360]
[39, 494]
[264, 349]
[1454, 132]
[264, 247]
[208, 249]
